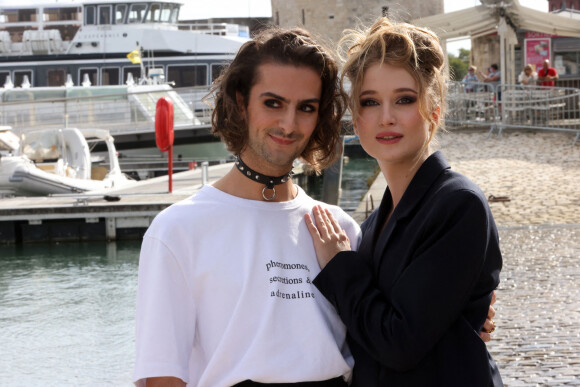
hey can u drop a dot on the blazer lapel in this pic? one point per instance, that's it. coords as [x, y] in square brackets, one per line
[425, 177]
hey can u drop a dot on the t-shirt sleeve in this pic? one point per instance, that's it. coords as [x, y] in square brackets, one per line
[165, 323]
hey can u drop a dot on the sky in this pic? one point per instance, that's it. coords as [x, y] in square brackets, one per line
[205, 9]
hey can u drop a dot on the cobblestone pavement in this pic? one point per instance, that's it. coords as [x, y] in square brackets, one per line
[537, 342]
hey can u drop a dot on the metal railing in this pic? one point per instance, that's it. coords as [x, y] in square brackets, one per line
[120, 110]
[514, 106]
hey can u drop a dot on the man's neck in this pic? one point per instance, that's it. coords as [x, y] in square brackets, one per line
[236, 184]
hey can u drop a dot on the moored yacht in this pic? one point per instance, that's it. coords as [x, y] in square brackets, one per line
[108, 42]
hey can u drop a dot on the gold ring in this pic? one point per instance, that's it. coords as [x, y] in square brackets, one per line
[493, 327]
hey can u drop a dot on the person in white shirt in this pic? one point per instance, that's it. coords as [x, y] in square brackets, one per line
[528, 77]
[225, 295]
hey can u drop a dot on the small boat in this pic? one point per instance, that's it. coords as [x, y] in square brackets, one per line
[58, 161]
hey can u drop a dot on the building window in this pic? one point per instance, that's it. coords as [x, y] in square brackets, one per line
[110, 76]
[331, 16]
[385, 11]
[570, 62]
[277, 18]
[303, 18]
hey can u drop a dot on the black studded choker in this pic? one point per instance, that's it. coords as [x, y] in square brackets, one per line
[268, 181]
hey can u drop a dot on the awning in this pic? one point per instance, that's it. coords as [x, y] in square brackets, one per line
[484, 19]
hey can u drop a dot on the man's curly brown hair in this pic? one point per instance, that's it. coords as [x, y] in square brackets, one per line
[287, 47]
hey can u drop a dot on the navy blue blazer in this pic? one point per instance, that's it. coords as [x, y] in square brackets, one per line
[415, 295]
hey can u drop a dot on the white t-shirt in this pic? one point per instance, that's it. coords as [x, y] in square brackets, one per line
[225, 294]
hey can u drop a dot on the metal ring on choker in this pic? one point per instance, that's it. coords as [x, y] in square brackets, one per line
[268, 181]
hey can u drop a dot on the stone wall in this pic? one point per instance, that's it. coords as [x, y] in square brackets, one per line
[328, 18]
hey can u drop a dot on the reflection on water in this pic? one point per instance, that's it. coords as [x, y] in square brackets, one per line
[68, 310]
[67, 314]
[355, 172]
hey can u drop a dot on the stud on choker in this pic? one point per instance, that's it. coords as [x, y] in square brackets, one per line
[268, 181]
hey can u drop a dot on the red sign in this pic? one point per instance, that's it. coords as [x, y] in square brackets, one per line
[535, 35]
[537, 51]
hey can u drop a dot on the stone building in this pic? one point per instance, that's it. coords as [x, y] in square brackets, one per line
[328, 18]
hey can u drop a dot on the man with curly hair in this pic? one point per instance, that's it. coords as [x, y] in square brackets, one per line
[225, 295]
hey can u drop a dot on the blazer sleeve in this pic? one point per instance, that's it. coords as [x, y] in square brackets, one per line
[398, 330]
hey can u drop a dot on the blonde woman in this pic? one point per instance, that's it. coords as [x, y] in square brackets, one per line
[416, 293]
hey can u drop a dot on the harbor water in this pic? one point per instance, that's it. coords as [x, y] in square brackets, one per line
[68, 310]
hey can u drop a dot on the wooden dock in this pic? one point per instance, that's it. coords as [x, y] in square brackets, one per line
[117, 215]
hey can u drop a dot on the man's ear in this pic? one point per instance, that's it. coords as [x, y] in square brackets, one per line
[240, 102]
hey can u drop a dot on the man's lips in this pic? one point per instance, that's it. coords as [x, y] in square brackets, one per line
[281, 140]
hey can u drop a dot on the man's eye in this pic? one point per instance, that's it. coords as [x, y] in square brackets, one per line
[308, 108]
[272, 103]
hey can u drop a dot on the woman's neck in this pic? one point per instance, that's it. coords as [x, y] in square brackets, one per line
[399, 176]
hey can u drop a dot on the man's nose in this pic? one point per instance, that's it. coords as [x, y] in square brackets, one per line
[287, 121]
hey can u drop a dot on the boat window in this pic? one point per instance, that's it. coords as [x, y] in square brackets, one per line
[168, 13]
[137, 12]
[42, 146]
[61, 14]
[55, 77]
[105, 14]
[110, 76]
[120, 13]
[187, 76]
[90, 15]
[19, 76]
[134, 70]
[27, 15]
[92, 75]
[154, 13]
[216, 70]
[3, 77]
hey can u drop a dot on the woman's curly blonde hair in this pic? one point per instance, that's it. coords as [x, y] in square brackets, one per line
[414, 48]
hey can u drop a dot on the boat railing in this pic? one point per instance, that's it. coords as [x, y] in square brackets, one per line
[121, 110]
[223, 29]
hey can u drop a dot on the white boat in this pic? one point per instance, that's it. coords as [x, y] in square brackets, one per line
[88, 43]
[58, 161]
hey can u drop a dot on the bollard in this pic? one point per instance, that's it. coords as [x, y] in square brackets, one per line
[204, 170]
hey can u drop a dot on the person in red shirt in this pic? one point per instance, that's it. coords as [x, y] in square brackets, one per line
[547, 75]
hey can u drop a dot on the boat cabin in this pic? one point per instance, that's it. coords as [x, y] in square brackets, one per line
[102, 42]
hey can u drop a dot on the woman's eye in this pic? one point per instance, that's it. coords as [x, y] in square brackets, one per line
[406, 100]
[272, 103]
[368, 102]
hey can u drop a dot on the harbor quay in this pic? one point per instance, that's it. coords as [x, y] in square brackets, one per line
[532, 180]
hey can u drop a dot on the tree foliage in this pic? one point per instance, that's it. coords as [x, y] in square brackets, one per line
[458, 64]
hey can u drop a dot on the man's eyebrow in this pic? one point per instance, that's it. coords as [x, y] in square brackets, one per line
[274, 95]
[400, 90]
